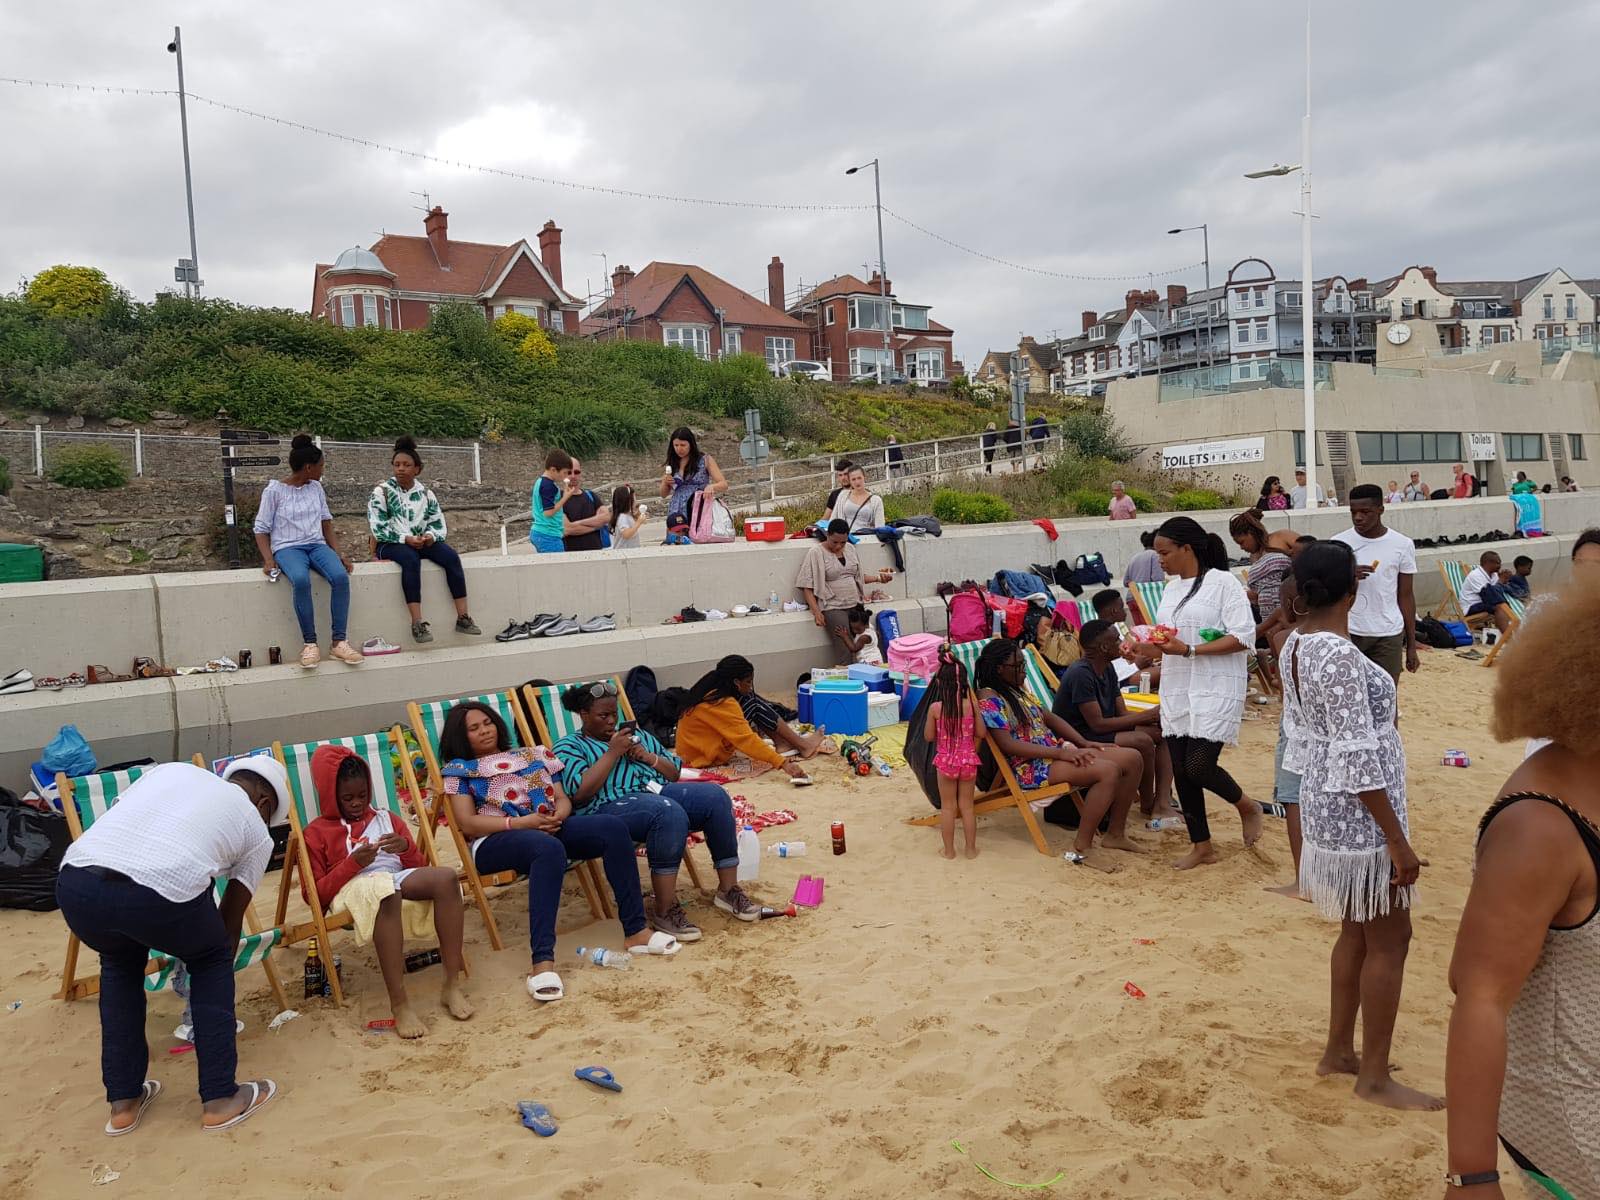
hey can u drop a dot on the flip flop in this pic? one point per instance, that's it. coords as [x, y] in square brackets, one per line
[545, 987]
[147, 1095]
[663, 944]
[600, 1077]
[536, 1117]
[256, 1101]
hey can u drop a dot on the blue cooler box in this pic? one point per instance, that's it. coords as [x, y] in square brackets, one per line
[876, 678]
[912, 697]
[802, 702]
[841, 710]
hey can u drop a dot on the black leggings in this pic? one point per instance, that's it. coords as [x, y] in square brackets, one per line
[410, 563]
[1195, 771]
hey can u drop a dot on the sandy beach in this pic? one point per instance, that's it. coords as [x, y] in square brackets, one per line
[838, 1054]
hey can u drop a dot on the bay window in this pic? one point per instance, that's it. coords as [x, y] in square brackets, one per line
[694, 338]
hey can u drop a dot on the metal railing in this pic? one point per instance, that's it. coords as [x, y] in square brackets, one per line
[1230, 377]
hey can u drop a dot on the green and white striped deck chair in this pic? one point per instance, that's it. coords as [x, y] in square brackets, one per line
[376, 750]
[84, 801]
[427, 722]
[1007, 792]
[1455, 577]
[1147, 600]
[554, 722]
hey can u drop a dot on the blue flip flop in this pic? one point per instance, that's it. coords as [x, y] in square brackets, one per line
[600, 1077]
[537, 1117]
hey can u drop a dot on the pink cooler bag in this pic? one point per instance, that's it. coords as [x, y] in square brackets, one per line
[915, 654]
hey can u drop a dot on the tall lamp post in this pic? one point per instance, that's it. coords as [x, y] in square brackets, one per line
[1307, 281]
[1205, 242]
[883, 274]
[175, 47]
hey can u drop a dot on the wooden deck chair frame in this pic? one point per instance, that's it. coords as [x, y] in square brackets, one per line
[1452, 604]
[1007, 792]
[297, 857]
[588, 880]
[77, 987]
[530, 697]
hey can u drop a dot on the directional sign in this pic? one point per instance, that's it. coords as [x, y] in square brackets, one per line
[257, 461]
[250, 435]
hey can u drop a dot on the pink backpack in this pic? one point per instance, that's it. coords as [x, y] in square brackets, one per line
[915, 654]
[969, 616]
[709, 519]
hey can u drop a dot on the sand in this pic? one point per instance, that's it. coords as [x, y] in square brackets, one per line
[837, 1054]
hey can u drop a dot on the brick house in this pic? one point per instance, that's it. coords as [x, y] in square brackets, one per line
[994, 369]
[846, 318]
[679, 304]
[397, 282]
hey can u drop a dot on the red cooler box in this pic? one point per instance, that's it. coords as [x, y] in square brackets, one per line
[764, 529]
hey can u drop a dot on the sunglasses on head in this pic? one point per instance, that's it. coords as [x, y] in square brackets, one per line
[604, 688]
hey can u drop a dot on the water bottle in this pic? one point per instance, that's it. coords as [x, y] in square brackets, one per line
[788, 849]
[1144, 683]
[601, 957]
[772, 601]
[749, 855]
[998, 624]
[881, 767]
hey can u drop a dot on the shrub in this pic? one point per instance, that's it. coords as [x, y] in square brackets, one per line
[5, 477]
[1142, 500]
[1090, 502]
[1095, 435]
[970, 508]
[244, 512]
[1197, 500]
[66, 291]
[95, 468]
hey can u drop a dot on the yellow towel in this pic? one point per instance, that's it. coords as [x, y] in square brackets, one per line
[362, 896]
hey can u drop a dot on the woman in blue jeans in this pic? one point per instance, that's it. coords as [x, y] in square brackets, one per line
[626, 773]
[519, 819]
[294, 532]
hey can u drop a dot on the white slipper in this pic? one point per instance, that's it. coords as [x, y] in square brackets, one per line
[152, 1089]
[545, 987]
[257, 1100]
[663, 944]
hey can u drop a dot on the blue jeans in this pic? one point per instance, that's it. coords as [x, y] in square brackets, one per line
[1285, 783]
[662, 821]
[543, 857]
[297, 562]
[122, 922]
[410, 563]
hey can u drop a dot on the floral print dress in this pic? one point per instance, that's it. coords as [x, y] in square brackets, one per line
[1031, 773]
[1339, 721]
[522, 779]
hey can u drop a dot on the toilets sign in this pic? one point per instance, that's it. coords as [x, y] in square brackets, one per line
[1213, 454]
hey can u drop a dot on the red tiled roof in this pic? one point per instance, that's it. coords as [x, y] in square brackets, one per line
[935, 327]
[647, 291]
[416, 269]
[839, 285]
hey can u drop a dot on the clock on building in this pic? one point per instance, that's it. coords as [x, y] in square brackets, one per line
[1399, 334]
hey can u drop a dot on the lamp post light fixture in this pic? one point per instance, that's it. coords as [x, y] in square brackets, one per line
[886, 371]
[191, 268]
[1205, 243]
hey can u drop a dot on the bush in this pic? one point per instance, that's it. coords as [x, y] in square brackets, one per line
[1197, 500]
[1142, 500]
[65, 291]
[1095, 435]
[1090, 502]
[970, 508]
[244, 512]
[95, 468]
[5, 477]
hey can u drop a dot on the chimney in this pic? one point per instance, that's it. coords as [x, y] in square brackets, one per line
[1177, 295]
[872, 284]
[550, 250]
[436, 225]
[1090, 319]
[775, 292]
[620, 277]
[1430, 275]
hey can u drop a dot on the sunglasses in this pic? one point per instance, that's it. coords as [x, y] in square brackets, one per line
[605, 688]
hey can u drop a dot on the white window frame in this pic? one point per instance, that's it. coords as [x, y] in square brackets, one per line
[1549, 308]
[694, 338]
[927, 363]
[832, 312]
[779, 350]
[1260, 297]
[388, 312]
[1243, 335]
[733, 341]
[1572, 307]
[1097, 331]
[369, 310]
[858, 303]
[871, 358]
[347, 311]
[1291, 299]
[1261, 331]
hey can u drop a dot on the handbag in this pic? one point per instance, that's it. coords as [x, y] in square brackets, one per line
[709, 520]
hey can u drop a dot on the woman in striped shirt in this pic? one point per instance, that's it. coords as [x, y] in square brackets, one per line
[294, 532]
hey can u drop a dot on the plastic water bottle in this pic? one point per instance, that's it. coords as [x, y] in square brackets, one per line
[788, 849]
[1144, 683]
[998, 624]
[749, 855]
[881, 767]
[772, 601]
[601, 957]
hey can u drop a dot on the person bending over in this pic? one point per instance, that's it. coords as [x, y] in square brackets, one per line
[771, 720]
[713, 728]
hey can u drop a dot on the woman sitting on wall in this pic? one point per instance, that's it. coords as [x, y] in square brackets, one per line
[408, 525]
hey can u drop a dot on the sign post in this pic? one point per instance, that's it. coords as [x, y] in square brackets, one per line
[232, 439]
[753, 448]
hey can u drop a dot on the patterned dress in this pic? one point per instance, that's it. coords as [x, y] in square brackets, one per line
[684, 488]
[1031, 773]
[1339, 721]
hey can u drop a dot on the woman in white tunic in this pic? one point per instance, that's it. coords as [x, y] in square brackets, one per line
[1203, 677]
[1356, 864]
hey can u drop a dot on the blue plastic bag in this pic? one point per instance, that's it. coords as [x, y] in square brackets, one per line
[69, 753]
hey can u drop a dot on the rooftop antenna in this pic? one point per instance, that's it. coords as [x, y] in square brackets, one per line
[427, 201]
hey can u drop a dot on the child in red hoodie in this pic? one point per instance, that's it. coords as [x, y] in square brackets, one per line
[350, 840]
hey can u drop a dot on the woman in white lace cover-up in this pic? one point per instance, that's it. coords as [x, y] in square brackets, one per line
[1357, 864]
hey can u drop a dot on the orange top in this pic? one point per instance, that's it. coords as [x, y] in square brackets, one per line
[708, 735]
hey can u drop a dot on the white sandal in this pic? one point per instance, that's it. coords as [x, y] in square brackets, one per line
[147, 1094]
[545, 987]
[663, 944]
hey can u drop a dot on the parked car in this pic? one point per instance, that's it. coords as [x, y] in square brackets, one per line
[805, 368]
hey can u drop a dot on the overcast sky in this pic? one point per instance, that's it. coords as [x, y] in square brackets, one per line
[1066, 136]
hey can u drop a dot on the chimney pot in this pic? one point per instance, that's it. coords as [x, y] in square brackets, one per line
[1430, 275]
[1177, 295]
[1090, 319]
[437, 226]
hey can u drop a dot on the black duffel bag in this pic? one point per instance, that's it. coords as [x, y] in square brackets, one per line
[32, 842]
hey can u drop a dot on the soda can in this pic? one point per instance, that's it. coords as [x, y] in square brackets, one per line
[837, 832]
[244, 659]
[274, 655]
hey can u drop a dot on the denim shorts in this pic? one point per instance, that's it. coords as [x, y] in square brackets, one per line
[1285, 783]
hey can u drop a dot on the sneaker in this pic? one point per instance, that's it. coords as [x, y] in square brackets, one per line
[539, 625]
[716, 614]
[466, 625]
[598, 624]
[563, 626]
[691, 613]
[17, 682]
[420, 633]
[377, 645]
[676, 923]
[346, 653]
[793, 606]
[751, 611]
[737, 904]
[515, 631]
[310, 657]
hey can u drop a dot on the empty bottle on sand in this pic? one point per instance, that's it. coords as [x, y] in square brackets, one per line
[787, 849]
[749, 855]
[601, 957]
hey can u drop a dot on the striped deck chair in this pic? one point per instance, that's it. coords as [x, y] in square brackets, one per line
[1455, 577]
[1006, 792]
[88, 798]
[427, 722]
[377, 751]
[554, 722]
[1147, 600]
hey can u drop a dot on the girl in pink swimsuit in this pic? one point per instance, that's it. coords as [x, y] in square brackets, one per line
[950, 728]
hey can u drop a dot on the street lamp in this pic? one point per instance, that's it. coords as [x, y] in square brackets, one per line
[192, 268]
[883, 274]
[1307, 282]
[1205, 242]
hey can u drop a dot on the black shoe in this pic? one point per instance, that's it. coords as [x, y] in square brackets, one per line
[691, 613]
[515, 631]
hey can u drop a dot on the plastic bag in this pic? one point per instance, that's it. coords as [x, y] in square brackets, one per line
[31, 845]
[69, 753]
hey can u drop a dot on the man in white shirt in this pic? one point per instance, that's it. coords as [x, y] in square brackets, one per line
[1383, 620]
[1481, 591]
[1297, 494]
[1416, 489]
[140, 879]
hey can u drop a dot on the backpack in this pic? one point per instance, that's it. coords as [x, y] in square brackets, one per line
[1089, 571]
[709, 520]
[914, 654]
[639, 686]
[968, 616]
[1435, 633]
[888, 623]
[1058, 643]
[605, 530]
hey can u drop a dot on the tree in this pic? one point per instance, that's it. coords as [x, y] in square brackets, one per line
[67, 291]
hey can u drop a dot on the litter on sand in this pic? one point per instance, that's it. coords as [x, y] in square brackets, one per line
[104, 1174]
[1144, 941]
[1008, 1183]
[1133, 990]
[282, 1019]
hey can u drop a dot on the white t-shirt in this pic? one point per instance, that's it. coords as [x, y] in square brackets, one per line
[1472, 586]
[1297, 496]
[175, 829]
[625, 522]
[1376, 612]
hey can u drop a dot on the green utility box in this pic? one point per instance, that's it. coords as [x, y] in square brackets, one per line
[20, 564]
